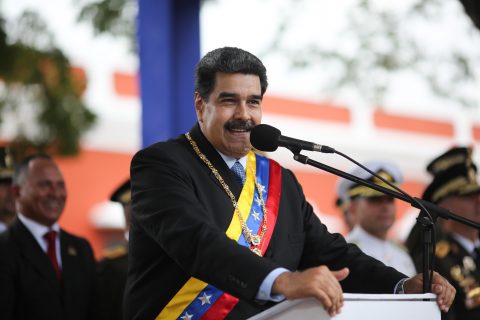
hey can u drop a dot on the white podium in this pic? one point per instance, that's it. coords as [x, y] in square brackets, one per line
[359, 306]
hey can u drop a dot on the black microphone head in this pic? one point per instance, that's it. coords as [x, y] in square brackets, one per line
[264, 137]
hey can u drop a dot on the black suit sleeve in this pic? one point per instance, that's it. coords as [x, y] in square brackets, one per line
[168, 205]
[367, 275]
[79, 279]
[8, 292]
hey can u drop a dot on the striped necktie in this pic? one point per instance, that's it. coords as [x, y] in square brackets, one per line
[239, 172]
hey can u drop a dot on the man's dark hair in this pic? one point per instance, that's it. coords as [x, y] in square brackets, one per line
[21, 170]
[227, 60]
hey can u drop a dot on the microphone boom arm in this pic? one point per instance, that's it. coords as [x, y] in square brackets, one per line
[434, 210]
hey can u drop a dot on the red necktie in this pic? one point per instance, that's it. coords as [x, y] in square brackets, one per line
[52, 251]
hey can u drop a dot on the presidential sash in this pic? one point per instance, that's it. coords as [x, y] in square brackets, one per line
[200, 300]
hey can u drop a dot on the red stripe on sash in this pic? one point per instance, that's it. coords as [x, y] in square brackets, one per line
[273, 202]
[221, 308]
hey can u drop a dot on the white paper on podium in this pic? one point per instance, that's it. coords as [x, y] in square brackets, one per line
[359, 306]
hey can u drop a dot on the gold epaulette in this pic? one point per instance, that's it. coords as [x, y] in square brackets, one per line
[115, 252]
[474, 294]
[442, 249]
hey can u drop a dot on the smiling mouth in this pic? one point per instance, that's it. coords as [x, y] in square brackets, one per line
[238, 130]
[239, 126]
[55, 206]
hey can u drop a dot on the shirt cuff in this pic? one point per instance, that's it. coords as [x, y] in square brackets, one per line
[265, 291]
[399, 287]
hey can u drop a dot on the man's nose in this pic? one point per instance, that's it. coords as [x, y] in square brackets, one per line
[241, 112]
[57, 191]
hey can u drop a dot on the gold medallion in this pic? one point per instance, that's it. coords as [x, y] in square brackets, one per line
[456, 273]
[255, 240]
[474, 293]
[72, 251]
[468, 282]
[473, 298]
[257, 251]
[442, 249]
[469, 264]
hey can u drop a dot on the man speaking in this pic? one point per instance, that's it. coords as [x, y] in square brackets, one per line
[219, 231]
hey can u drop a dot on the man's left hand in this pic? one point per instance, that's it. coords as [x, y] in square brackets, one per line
[440, 286]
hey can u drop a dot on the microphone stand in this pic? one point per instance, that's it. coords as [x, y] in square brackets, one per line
[429, 212]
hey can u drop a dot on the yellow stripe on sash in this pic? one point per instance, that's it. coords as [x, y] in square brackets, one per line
[193, 286]
[182, 299]
[246, 198]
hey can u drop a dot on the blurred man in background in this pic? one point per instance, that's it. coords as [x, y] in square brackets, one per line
[7, 202]
[455, 187]
[45, 272]
[342, 202]
[373, 214]
[112, 269]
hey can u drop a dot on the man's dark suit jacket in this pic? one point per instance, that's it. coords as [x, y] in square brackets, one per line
[180, 214]
[112, 275]
[29, 288]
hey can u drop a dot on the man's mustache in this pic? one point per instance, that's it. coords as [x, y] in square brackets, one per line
[239, 125]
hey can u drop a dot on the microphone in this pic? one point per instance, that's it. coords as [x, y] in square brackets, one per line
[267, 138]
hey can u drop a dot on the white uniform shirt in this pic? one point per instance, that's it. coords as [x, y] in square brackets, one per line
[384, 250]
[3, 227]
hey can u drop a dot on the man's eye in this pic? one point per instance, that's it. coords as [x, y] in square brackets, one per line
[43, 184]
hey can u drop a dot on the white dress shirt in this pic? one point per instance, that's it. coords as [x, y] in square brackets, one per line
[38, 231]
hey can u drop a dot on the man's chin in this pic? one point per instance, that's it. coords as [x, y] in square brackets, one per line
[53, 216]
[240, 151]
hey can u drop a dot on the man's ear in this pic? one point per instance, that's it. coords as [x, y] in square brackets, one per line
[199, 106]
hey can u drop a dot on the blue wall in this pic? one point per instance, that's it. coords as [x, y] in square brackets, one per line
[169, 48]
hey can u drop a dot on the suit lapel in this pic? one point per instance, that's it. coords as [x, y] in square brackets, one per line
[216, 160]
[69, 261]
[34, 254]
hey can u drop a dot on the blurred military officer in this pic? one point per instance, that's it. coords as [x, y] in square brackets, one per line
[455, 187]
[342, 203]
[112, 269]
[373, 214]
[7, 201]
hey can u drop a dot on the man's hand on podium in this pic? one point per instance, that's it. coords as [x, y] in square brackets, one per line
[440, 286]
[319, 282]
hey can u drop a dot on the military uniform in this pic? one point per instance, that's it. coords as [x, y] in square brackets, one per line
[7, 203]
[112, 269]
[375, 245]
[390, 253]
[112, 276]
[462, 270]
[454, 177]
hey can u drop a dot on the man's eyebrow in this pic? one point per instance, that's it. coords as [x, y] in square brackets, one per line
[226, 94]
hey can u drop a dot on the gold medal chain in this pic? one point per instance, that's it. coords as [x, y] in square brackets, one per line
[252, 239]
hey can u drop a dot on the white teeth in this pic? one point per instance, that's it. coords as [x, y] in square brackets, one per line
[53, 204]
